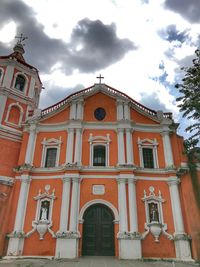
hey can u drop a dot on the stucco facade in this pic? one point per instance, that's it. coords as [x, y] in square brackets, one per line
[96, 162]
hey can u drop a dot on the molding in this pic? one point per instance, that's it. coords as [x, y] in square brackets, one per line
[7, 180]
[98, 201]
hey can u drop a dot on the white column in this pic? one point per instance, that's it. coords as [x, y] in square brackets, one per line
[72, 115]
[126, 111]
[80, 110]
[132, 205]
[121, 156]
[3, 99]
[70, 145]
[8, 76]
[62, 242]
[123, 225]
[120, 110]
[31, 145]
[15, 246]
[129, 146]
[182, 245]
[133, 248]
[167, 149]
[78, 146]
[73, 226]
[64, 214]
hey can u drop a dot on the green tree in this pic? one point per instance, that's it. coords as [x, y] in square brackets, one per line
[189, 101]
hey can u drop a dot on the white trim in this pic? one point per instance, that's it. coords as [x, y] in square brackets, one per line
[101, 141]
[8, 113]
[50, 143]
[98, 201]
[148, 143]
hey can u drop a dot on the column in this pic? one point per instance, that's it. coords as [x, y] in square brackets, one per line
[72, 115]
[64, 214]
[135, 250]
[182, 245]
[80, 110]
[62, 242]
[123, 226]
[126, 111]
[70, 145]
[120, 110]
[132, 205]
[30, 145]
[129, 146]
[167, 149]
[16, 241]
[8, 78]
[74, 205]
[3, 99]
[121, 158]
[78, 146]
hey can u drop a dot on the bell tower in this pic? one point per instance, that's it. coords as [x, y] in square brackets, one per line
[20, 89]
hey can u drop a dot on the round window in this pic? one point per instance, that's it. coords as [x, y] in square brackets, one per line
[100, 114]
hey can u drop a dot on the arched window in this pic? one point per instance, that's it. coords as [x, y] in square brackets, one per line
[14, 115]
[20, 82]
[99, 155]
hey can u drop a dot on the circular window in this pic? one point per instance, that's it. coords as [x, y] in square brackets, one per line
[99, 114]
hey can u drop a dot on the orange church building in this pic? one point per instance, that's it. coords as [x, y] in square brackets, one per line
[95, 174]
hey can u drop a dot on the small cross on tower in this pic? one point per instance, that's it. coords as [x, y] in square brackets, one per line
[21, 38]
[100, 77]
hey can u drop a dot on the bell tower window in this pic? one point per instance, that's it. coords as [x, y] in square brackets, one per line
[20, 82]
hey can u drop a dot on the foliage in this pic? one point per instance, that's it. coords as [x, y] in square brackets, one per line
[189, 101]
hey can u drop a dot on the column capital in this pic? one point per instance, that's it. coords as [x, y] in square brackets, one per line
[25, 178]
[173, 181]
[129, 130]
[165, 132]
[121, 180]
[132, 180]
[66, 179]
[70, 130]
[120, 130]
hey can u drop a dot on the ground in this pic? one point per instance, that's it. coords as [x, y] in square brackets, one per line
[92, 262]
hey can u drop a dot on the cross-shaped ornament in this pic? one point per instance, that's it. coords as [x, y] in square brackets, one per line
[100, 77]
[21, 38]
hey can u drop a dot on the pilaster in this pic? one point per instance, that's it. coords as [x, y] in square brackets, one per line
[78, 146]
[129, 146]
[181, 240]
[70, 145]
[121, 156]
[167, 149]
[31, 145]
[16, 241]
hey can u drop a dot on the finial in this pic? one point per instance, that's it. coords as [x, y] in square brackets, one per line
[100, 77]
[21, 39]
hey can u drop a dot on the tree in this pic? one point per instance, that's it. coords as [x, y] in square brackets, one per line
[189, 101]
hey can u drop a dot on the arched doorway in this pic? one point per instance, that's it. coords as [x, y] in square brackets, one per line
[98, 231]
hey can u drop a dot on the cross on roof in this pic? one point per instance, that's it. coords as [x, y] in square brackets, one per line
[100, 77]
[21, 38]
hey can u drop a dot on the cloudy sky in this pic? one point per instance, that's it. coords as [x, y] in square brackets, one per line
[138, 46]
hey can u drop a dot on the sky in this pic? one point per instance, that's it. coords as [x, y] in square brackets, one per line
[138, 46]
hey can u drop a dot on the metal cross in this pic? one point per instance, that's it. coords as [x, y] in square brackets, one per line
[21, 38]
[100, 77]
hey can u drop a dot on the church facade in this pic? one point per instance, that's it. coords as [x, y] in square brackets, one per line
[95, 174]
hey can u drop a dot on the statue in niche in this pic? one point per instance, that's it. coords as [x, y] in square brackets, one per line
[44, 210]
[153, 212]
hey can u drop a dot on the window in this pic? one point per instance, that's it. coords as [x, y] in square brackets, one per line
[14, 115]
[20, 82]
[148, 153]
[1, 75]
[50, 160]
[148, 157]
[99, 150]
[99, 155]
[50, 152]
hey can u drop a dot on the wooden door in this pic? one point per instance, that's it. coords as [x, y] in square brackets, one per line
[98, 231]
